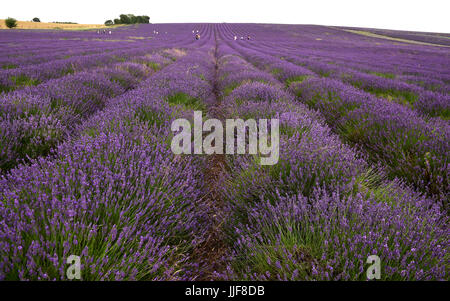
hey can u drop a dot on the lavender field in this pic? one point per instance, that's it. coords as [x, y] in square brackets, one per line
[86, 166]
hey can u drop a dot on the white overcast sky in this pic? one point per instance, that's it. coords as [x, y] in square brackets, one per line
[430, 15]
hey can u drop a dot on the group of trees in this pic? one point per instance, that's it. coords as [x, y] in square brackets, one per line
[123, 19]
[11, 22]
[129, 19]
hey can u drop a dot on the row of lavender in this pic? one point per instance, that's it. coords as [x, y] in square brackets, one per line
[322, 210]
[386, 85]
[114, 194]
[34, 43]
[35, 119]
[412, 148]
[61, 50]
[34, 74]
[431, 103]
[421, 65]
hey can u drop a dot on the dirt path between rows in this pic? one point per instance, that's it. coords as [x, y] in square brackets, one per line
[210, 255]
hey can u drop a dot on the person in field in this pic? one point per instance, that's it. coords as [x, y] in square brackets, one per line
[197, 36]
[235, 38]
[248, 37]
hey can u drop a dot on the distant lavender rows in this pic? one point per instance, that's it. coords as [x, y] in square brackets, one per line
[419, 65]
[36, 119]
[433, 103]
[14, 60]
[337, 46]
[414, 149]
[427, 37]
[35, 74]
[83, 50]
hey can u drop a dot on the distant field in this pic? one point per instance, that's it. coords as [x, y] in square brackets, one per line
[43, 25]
[375, 35]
